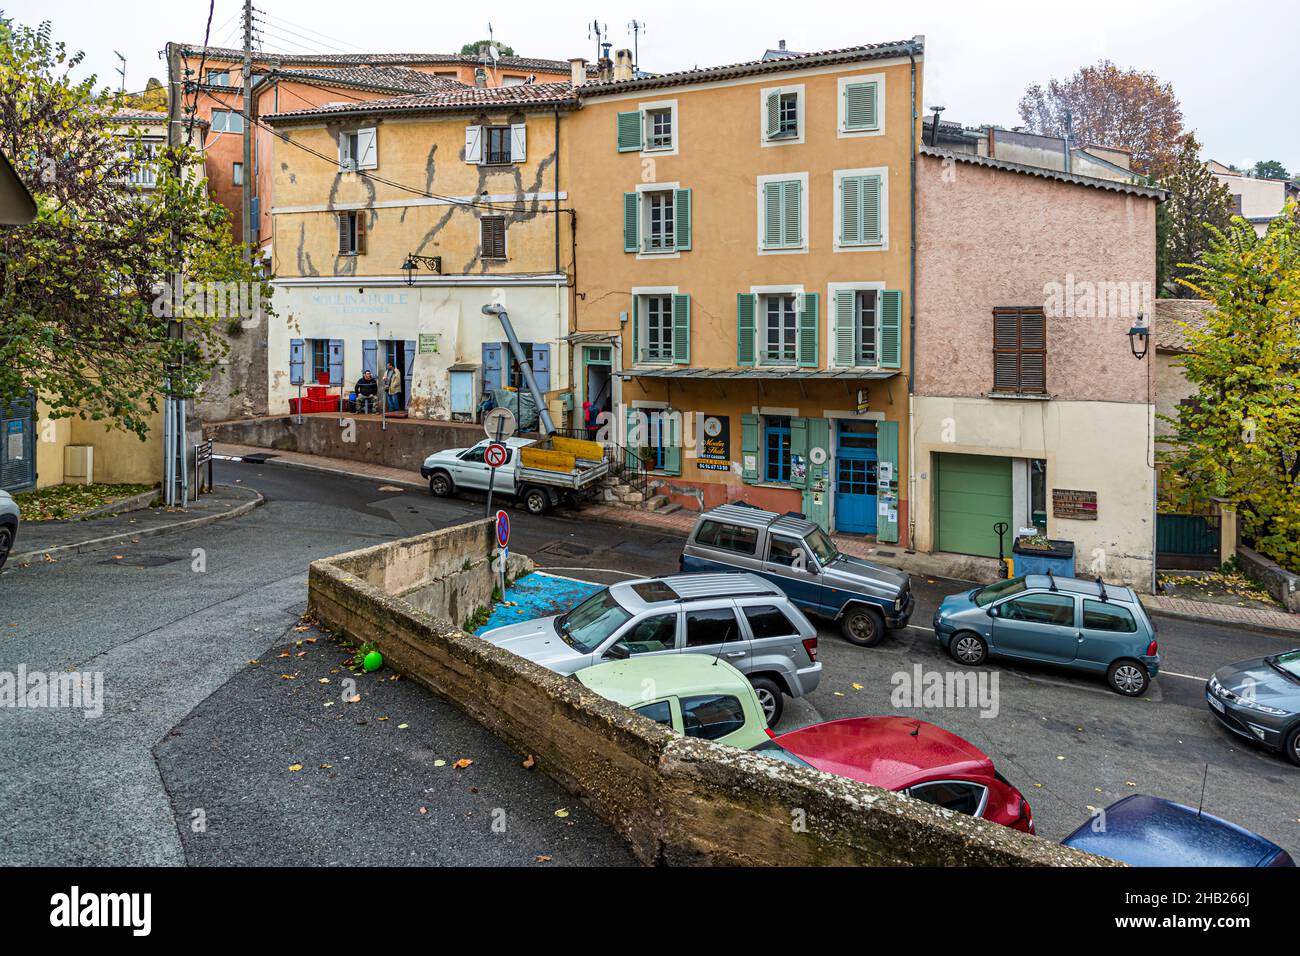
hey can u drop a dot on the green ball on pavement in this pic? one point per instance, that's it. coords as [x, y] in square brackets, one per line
[373, 661]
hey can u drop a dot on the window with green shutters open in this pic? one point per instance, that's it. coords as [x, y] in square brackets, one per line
[778, 328]
[657, 221]
[781, 115]
[783, 214]
[1020, 350]
[651, 129]
[868, 326]
[661, 327]
[860, 220]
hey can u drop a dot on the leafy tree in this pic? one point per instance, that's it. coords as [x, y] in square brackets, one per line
[153, 97]
[1198, 203]
[81, 286]
[472, 49]
[1271, 169]
[1127, 109]
[1239, 436]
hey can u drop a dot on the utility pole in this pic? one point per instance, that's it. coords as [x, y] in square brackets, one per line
[174, 470]
[246, 187]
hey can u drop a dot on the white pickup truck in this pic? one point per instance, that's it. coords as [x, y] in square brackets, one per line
[538, 477]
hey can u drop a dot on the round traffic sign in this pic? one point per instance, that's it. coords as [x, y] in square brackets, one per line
[500, 423]
[503, 528]
[495, 455]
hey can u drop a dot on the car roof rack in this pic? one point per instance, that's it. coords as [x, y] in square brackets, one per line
[1102, 586]
[1051, 581]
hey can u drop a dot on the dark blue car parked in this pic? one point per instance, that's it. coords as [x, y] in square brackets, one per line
[1148, 831]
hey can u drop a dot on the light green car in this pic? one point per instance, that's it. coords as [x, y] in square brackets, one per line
[693, 694]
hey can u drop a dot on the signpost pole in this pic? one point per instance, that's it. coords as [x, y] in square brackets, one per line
[492, 471]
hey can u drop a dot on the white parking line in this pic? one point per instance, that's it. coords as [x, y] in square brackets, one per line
[626, 574]
[922, 627]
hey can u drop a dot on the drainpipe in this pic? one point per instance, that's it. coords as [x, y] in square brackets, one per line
[911, 325]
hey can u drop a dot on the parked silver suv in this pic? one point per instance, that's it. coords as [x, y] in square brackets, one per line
[8, 525]
[739, 618]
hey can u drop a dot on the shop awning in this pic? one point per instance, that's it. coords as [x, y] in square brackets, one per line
[779, 374]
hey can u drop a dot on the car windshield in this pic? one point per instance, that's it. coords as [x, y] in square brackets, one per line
[1288, 662]
[822, 546]
[588, 624]
[986, 596]
[771, 748]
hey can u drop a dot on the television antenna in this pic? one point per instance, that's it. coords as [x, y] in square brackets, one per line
[636, 28]
[599, 31]
[121, 70]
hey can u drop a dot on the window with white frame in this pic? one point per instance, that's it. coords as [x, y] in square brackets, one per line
[659, 129]
[496, 147]
[357, 149]
[787, 116]
[227, 121]
[659, 220]
[657, 328]
[865, 326]
[218, 77]
[780, 329]
[782, 214]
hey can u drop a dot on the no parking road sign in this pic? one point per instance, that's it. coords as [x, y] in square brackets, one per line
[495, 455]
[503, 529]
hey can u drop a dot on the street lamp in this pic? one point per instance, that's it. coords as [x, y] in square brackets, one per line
[1138, 338]
[413, 262]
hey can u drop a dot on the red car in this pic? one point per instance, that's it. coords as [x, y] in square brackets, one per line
[912, 757]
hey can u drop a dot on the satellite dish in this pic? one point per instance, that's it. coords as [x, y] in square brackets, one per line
[492, 52]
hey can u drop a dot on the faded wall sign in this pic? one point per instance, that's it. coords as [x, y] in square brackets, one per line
[1080, 505]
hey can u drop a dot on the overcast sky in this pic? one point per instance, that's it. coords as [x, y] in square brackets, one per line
[1233, 66]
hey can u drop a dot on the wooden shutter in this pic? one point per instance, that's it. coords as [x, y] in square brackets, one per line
[1019, 350]
[367, 149]
[682, 329]
[492, 354]
[630, 131]
[518, 143]
[887, 451]
[891, 329]
[670, 433]
[799, 449]
[474, 144]
[295, 361]
[746, 309]
[493, 238]
[336, 361]
[809, 325]
[370, 356]
[860, 111]
[773, 209]
[542, 367]
[792, 221]
[682, 219]
[359, 217]
[636, 331]
[773, 114]
[871, 226]
[851, 210]
[345, 233]
[631, 224]
[749, 448]
[846, 339]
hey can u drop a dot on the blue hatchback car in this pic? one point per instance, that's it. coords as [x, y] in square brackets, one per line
[1148, 831]
[1083, 625]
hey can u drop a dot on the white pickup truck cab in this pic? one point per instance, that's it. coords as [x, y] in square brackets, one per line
[539, 489]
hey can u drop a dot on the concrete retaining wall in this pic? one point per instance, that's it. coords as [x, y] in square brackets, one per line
[1277, 581]
[405, 443]
[675, 800]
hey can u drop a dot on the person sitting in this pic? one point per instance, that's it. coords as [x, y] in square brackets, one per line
[367, 390]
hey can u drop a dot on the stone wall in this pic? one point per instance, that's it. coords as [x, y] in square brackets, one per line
[675, 800]
[1283, 585]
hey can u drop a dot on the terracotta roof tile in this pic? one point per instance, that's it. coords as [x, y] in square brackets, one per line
[1107, 185]
[264, 58]
[386, 78]
[460, 99]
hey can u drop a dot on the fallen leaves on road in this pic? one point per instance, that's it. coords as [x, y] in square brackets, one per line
[440, 763]
[402, 726]
[424, 811]
[541, 859]
[295, 767]
[354, 699]
[562, 812]
[856, 686]
[462, 763]
[327, 766]
[529, 763]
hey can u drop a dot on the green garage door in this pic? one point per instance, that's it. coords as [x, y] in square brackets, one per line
[974, 494]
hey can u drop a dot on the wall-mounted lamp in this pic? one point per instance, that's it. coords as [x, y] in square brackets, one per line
[413, 262]
[1138, 338]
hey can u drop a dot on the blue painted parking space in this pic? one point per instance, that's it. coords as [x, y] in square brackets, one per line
[538, 595]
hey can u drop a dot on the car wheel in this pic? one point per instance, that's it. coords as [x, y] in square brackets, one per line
[770, 696]
[440, 485]
[862, 627]
[6, 542]
[1292, 745]
[536, 501]
[1128, 677]
[967, 647]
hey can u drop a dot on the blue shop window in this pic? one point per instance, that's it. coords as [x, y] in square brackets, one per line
[776, 448]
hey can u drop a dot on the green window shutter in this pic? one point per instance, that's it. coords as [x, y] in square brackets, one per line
[636, 332]
[682, 219]
[634, 438]
[773, 209]
[871, 231]
[887, 451]
[773, 114]
[792, 224]
[851, 210]
[749, 448]
[891, 328]
[809, 326]
[819, 436]
[799, 449]
[746, 310]
[630, 127]
[682, 329]
[631, 221]
[860, 108]
[845, 327]
[672, 437]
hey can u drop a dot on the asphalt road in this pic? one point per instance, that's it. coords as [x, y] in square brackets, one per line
[192, 726]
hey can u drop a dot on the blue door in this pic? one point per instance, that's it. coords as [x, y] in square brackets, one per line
[855, 476]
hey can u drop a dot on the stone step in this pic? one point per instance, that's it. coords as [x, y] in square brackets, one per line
[656, 502]
[669, 508]
[633, 498]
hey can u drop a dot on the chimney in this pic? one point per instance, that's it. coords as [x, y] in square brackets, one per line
[623, 65]
[577, 70]
[480, 77]
[605, 66]
[781, 45]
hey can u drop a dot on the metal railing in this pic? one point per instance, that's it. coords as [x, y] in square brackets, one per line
[625, 464]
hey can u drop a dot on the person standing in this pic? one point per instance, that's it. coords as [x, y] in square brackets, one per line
[392, 388]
